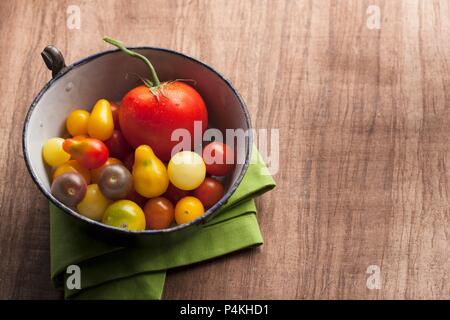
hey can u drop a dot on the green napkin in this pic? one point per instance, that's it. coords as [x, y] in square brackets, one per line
[111, 272]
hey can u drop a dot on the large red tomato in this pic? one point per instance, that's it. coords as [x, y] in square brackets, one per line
[147, 119]
[149, 114]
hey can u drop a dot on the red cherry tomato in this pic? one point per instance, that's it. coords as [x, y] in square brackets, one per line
[118, 146]
[174, 194]
[209, 192]
[89, 152]
[115, 114]
[219, 158]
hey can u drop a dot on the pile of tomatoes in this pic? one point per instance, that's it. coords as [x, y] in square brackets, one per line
[97, 173]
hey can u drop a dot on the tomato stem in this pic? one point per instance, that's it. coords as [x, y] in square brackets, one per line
[131, 53]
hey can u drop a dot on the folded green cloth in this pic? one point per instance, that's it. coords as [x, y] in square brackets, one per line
[111, 272]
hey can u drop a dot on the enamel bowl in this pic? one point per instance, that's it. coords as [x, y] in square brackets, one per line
[111, 74]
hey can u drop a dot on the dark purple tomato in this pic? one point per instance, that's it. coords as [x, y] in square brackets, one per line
[115, 182]
[69, 188]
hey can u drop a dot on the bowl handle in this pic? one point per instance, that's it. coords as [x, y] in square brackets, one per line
[53, 59]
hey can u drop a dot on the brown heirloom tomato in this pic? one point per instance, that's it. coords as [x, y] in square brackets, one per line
[69, 188]
[159, 213]
[115, 182]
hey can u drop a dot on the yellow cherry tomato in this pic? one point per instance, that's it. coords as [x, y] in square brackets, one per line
[94, 203]
[125, 214]
[186, 170]
[95, 173]
[149, 173]
[73, 166]
[188, 209]
[101, 123]
[77, 122]
[53, 152]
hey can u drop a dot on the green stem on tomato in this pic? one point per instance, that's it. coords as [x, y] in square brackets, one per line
[131, 53]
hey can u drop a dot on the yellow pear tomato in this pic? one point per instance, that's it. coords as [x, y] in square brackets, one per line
[101, 123]
[149, 173]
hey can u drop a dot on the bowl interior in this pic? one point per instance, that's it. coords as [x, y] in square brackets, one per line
[111, 75]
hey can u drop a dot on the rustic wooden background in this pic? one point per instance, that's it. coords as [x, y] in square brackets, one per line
[363, 116]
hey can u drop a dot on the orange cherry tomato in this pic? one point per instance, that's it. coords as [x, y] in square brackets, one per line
[73, 166]
[188, 209]
[77, 122]
[159, 213]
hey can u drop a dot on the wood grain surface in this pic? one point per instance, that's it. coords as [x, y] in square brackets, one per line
[363, 116]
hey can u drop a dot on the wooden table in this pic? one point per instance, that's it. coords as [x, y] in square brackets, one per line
[363, 115]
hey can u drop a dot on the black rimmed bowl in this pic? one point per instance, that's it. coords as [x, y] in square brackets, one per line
[111, 74]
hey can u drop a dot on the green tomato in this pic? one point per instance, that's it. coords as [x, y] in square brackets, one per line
[186, 170]
[125, 214]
